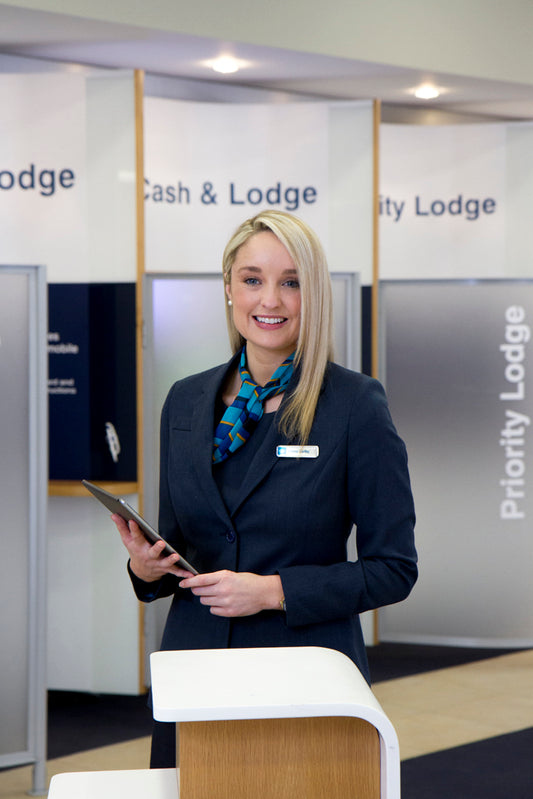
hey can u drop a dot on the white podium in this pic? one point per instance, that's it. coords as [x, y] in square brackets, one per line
[266, 723]
[133, 784]
[275, 723]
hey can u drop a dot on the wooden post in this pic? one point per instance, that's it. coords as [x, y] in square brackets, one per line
[139, 174]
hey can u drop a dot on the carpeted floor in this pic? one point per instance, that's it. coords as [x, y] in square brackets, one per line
[392, 661]
[496, 768]
[78, 721]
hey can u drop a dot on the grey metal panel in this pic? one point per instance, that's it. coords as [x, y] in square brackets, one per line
[14, 510]
[24, 465]
[455, 366]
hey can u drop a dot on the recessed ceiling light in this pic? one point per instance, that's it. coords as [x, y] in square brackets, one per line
[226, 64]
[426, 92]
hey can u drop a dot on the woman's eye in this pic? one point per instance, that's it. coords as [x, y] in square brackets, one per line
[251, 281]
[292, 284]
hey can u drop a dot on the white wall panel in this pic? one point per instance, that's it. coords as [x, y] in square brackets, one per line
[92, 611]
[519, 191]
[210, 166]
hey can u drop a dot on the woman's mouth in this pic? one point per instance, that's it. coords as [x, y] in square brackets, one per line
[270, 320]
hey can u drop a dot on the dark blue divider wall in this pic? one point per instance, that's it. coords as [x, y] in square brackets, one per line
[92, 381]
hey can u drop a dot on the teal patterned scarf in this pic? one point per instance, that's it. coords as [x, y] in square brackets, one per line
[241, 418]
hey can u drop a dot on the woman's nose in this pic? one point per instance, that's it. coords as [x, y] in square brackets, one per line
[270, 296]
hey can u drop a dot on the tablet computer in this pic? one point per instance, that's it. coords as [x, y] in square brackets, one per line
[120, 506]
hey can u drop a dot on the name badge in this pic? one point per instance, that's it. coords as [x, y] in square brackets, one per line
[296, 451]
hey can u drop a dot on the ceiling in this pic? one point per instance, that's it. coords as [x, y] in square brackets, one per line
[69, 39]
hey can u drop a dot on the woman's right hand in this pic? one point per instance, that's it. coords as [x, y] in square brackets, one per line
[146, 562]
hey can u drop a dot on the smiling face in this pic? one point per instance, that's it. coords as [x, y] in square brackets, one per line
[265, 295]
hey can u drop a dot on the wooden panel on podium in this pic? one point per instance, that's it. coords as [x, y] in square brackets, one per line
[333, 757]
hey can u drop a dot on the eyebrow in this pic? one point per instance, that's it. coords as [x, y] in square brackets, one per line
[249, 268]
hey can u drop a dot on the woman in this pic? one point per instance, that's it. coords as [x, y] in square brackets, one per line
[259, 488]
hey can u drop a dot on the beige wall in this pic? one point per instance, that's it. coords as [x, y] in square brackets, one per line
[477, 38]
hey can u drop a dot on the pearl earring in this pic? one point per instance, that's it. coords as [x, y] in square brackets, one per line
[230, 303]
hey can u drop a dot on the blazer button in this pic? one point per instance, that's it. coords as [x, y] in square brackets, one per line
[230, 536]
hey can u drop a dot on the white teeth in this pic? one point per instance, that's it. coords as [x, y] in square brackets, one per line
[269, 320]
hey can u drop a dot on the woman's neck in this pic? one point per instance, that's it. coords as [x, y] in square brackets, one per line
[263, 365]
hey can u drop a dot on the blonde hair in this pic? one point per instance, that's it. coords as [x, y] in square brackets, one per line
[315, 340]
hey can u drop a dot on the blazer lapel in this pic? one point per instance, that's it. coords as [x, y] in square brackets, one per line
[265, 458]
[203, 421]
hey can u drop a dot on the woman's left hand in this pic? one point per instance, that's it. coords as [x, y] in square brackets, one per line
[230, 593]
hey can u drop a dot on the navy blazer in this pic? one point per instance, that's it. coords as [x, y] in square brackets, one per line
[293, 517]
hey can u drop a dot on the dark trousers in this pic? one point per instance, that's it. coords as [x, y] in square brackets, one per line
[163, 754]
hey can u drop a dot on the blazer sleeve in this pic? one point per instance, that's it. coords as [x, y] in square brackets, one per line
[380, 502]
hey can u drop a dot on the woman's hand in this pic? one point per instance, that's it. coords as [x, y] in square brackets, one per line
[145, 558]
[230, 593]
